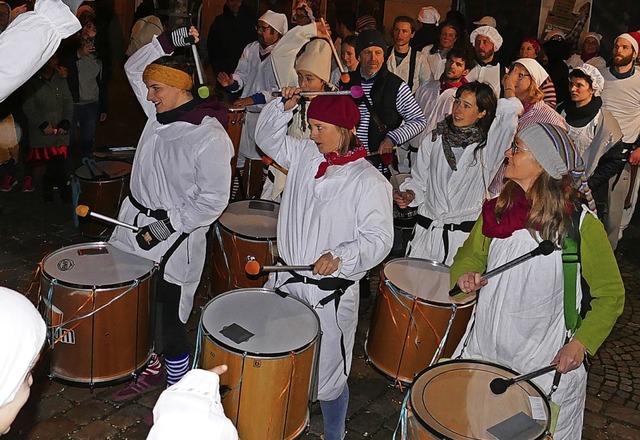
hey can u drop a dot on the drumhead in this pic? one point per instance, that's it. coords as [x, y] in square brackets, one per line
[95, 264]
[252, 218]
[453, 400]
[425, 279]
[113, 169]
[279, 325]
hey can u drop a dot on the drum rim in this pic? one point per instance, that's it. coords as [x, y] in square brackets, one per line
[249, 237]
[92, 287]
[252, 354]
[104, 180]
[434, 431]
[406, 294]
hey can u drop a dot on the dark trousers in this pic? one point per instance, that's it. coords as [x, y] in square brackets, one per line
[173, 332]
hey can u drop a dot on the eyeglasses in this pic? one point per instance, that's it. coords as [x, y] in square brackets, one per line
[521, 76]
[515, 148]
[262, 28]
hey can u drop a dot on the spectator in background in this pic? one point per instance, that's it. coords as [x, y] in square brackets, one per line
[557, 49]
[404, 61]
[365, 22]
[589, 53]
[345, 27]
[529, 48]
[450, 34]
[229, 34]
[143, 31]
[487, 20]
[427, 32]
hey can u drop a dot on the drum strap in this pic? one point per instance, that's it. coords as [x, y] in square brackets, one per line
[338, 285]
[446, 228]
[158, 214]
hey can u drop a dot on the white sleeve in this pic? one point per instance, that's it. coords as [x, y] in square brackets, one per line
[271, 134]
[502, 132]
[134, 67]
[374, 220]
[30, 40]
[242, 71]
[419, 171]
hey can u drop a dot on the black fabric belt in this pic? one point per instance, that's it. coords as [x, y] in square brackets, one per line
[338, 285]
[158, 214]
[446, 228]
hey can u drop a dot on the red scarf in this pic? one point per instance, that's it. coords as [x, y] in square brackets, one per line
[444, 85]
[513, 219]
[335, 159]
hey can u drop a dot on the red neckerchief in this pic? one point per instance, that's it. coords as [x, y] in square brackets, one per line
[513, 218]
[334, 159]
[444, 85]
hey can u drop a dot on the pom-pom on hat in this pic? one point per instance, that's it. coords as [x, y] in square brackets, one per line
[338, 110]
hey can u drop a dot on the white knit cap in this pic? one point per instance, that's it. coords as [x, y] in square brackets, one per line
[488, 31]
[23, 332]
[534, 68]
[487, 20]
[276, 21]
[597, 79]
[428, 15]
[191, 409]
[596, 36]
[631, 40]
[315, 57]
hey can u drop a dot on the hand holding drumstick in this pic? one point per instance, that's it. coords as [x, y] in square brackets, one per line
[403, 198]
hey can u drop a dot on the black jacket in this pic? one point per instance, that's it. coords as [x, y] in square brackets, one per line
[228, 36]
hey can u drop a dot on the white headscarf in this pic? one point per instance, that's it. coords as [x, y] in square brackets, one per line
[191, 409]
[276, 21]
[22, 333]
[537, 72]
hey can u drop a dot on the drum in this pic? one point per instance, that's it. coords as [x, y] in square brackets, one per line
[97, 302]
[246, 228]
[453, 400]
[103, 187]
[415, 321]
[402, 218]
[270, 345]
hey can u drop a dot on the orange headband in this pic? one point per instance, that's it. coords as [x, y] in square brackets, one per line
[168, 75]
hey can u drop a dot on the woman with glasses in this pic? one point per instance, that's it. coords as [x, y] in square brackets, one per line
[454, 166]
[529, 316]
[529, 48]
[597, 137]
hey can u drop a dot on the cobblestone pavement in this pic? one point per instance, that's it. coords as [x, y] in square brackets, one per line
[30, 230]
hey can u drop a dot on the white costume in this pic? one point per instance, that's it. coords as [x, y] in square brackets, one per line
[184, 169]
[576, 61]
[253, 76]
[30, 40]
[347, 212]
[436, 61]
[435, 105]
[421, 74]
[488, 74]
[192, 409]
[452, 197]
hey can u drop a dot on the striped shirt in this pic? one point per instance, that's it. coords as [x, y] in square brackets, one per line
[407, 107]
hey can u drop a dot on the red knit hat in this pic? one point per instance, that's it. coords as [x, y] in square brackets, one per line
[338, 110]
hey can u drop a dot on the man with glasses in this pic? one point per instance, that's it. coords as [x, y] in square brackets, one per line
[254, 78]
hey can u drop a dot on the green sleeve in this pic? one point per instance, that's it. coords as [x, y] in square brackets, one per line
[472, 256]
[600, 270]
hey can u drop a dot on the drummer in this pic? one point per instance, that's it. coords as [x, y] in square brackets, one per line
[524, 318]
[454, 166]
[180, 184]
[336, 215]
[313, 68]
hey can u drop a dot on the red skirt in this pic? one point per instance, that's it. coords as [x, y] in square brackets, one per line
[46, 153]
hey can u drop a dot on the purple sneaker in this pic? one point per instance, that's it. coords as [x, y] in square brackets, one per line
[136, 388]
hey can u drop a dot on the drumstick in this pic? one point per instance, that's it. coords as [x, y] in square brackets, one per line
[83, 211]
[375, 153]
[270, 162]
[500, 385]
[254, 268]
[345, 78]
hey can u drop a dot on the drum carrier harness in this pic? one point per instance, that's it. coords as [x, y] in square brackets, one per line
[338, 287]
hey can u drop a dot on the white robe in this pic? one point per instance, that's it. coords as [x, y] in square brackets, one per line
[435, 105]
[448, 196]
[253, 76]
[346, 212]
[519, 322]
[421, 74]
[435, 60]
[181, 168]
[30, 40]
[488, 74]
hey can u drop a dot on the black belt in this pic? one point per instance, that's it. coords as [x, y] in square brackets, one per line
[338, 285]
[446, 228]
[158, 214]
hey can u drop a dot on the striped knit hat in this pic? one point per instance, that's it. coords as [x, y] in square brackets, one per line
[557, 155]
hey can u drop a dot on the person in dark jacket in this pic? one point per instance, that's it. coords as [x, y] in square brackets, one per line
[229, 33]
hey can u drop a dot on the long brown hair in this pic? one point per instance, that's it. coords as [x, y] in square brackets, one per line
[551, 200]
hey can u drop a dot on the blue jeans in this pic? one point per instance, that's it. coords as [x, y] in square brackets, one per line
[86, 115]
[334, 415]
